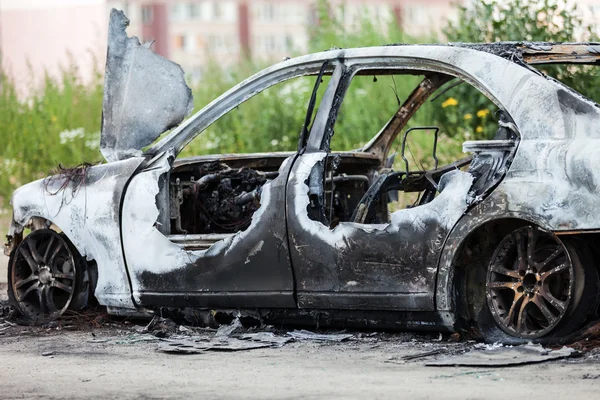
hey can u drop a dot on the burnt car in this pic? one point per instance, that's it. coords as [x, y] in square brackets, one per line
[503, 239]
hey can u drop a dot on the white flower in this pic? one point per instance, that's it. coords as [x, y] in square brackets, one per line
[69, 136]
[92, 141]
[274, 142]
[8, 164]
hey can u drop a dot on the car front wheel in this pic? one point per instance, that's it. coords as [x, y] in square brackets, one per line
[45, 276]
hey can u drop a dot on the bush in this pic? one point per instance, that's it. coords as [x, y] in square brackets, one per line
[59, 123]
[516, 20]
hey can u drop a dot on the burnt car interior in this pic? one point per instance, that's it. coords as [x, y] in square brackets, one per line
[365, 194]
[216, 197]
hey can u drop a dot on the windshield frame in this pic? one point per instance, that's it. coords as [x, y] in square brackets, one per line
[201, 120]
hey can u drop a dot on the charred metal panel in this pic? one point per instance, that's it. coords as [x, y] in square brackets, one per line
[252, 265]
[144, 94]
[368, 266]
[86, 209]
[563, 53]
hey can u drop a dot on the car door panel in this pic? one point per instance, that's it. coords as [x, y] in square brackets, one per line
[370, 266]
[250, 268]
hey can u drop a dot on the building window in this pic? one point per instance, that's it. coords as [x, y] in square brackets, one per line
[194, 10]
[147, 15]
[217, 10]
[179, 42]
[189, 44]
[265, 12]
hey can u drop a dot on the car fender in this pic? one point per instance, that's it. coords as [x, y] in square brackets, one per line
[84, 203]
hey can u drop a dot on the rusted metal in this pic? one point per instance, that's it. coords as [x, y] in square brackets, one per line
[559, 53]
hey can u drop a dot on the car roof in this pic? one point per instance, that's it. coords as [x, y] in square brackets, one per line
[500, 70]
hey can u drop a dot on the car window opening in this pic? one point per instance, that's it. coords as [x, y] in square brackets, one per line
[214, 196]
[416, 156]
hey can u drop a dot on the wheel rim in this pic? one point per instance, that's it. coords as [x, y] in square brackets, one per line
[43, 275]
[529, 283]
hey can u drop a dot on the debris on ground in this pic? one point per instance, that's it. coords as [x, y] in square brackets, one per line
[170, 337]
[423, 355]
[160, 327]
[589, 338]
[195, 346]
[328, 337]
[227, 330]
[227, 338]
[267, 337]
[502, 356]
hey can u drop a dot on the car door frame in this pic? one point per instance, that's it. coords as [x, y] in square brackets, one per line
[249, 269]
[323, 257]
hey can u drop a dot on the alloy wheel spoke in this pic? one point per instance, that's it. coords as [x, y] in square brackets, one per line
[62, 275]
[30, 289]
[560, 305]
[41, 302]
[29, 259]
[515, 304]
[57, 250]
[521, 321]
[48, 300]
[521, 251]
[539, 302]
[18, 284]
[504, 285]
[531, 241]
[62, 286]
[540, 266]
[32, 244]
[500, 269]
[47, 252]
[558, 268]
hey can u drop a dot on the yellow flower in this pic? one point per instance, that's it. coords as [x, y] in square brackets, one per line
[479, 129]
[468, 116]
[53, 118]
[483, 113]
[450, 102]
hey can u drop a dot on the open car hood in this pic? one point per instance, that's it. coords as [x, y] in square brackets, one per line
[144, 94]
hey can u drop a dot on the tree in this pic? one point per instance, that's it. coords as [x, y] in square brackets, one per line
[516, 20]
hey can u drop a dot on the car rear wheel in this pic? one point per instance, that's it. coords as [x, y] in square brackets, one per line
[45, 276]
[538, 287]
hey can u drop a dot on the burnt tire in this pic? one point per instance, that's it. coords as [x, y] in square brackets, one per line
[46, 276]
[538, 288]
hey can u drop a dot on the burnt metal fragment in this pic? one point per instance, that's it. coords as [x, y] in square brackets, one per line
[144, 94]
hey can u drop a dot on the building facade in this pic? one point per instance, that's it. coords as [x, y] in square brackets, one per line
[194, 31]
[43, 35]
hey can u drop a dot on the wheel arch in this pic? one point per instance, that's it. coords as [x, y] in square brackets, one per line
[471, 237]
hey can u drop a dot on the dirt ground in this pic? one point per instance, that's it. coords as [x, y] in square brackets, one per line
[107, 359]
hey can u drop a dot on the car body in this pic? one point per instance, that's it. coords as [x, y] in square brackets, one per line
[504, 235]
